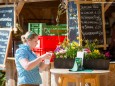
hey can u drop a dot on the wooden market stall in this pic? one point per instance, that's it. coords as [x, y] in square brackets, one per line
[45, 11]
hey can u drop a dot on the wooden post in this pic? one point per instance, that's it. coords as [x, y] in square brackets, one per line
[104, 32]
[10, 66]
[79, 23]
[10, 73]
[47, 76]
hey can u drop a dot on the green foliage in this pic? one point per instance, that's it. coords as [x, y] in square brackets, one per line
[71, 51]
[94, 55]
[2, 78]
[92, 46]
[92, 52]
[67, 49]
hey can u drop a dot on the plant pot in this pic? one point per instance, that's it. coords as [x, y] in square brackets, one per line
[63, 63]
[101, 64]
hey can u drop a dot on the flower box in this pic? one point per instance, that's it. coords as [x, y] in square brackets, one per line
[100, 64]
[63, 63]
[97, 64]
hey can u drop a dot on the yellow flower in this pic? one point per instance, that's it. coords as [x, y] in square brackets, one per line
[73, 47]
[96, 51]
[75, 43]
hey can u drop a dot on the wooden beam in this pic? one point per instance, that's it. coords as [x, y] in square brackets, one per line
[108, 5]
[42, 5]
[32, 13]
[12, 1]
[19, 7]
[38, 0]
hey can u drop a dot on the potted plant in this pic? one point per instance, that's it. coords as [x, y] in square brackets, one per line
[94, 58]
[65, 54]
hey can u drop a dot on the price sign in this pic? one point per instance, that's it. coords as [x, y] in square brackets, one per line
[91, 22]
[4, 43]
[6, 16]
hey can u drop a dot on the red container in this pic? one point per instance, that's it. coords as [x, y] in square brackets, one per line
[48, 43]
[40, 52]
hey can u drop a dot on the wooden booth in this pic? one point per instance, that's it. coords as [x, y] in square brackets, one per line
[84, 18]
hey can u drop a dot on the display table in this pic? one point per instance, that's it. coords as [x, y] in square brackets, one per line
[80, 78]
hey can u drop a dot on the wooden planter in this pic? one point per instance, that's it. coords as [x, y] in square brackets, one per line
[101, 64]
[63, 63]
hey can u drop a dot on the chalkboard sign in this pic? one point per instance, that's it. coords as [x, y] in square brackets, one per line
[91, 22]
[72, 21]
[4, 43]
[6, 16]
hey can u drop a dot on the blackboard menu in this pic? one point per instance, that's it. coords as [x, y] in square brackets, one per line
[4, 39]
[6, 17]
[91, 22]
[72, 21]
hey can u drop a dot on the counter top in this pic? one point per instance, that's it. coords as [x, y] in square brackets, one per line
[66, 71]
[112, 62]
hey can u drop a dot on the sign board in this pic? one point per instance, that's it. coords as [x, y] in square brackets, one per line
[91, 22]
[72, 21]
[7, 16]
[86, 20]
[5, 35]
